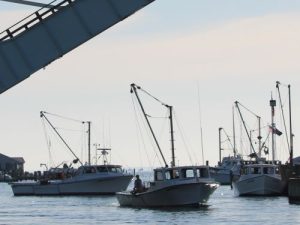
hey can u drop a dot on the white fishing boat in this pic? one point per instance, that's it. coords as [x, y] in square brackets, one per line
[259, 180]
[262, 177]
[176, 186]
[172, 186]
[87, 180]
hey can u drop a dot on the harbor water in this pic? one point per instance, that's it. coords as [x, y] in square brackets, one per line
[223, 208]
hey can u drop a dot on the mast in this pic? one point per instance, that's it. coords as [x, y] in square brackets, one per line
[259, 136]
[172, 134]
[220, 144]
[133, 90]
[289, 143]
[42, 114]
[233, 130]
[291, 133]
[89, 142]
[273, 104]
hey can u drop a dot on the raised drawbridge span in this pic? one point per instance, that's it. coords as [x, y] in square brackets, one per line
[53, 31]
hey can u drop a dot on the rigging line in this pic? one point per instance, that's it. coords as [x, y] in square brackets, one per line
[154, 148]
[66, 129]
[139, 131]
[282, 114]
[156, 117]
[261, 128]
[248, 109]
[64, 117]
[59, 136]
[183, 139]
[146, 92]
[137, 127]
[48, 143]
[134, 88]
[200, 123]
[109, 131]
[228, 138]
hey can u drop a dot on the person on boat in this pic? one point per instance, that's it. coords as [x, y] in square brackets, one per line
[231, 178]
[138, 185]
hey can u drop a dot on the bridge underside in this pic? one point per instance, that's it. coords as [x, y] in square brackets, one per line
[50, 33]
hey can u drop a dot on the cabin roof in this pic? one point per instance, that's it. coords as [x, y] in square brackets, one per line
[180, 167]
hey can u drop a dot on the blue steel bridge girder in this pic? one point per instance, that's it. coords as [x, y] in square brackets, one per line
[48, 34]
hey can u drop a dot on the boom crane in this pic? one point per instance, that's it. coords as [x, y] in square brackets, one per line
[248, 135]
[134, 89]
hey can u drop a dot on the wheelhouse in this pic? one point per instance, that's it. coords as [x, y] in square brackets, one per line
[174, 173]
[100, 169]
[261, 169]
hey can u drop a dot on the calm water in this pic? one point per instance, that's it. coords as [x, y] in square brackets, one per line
[224, 209]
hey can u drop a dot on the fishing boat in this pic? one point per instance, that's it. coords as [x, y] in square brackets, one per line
[228, 167]
[85, 180]
[261, 177]
[228, 170]
[172, 186]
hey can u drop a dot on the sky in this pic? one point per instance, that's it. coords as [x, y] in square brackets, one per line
[199, 56]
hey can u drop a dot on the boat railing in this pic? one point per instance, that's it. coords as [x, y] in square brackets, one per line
[34, 18]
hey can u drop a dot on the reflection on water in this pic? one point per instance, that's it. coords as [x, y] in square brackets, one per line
[223, 208]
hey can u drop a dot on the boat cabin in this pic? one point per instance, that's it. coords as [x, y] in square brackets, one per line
[230, 161]
[165, 173]
[99, 169]
[261, 169]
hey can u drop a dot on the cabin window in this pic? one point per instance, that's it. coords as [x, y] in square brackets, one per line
[268, 170]
[187, 173]
[118, 170]
[172, 174]
[102, 169]
[202, 172]
[175, 174]
[168, 174]
[158, 176]
[255, 170]
[90, 170]
[113, 169]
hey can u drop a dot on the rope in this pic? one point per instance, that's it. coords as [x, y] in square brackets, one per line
[152, 96]
[141, 134]
[63, 117]
[283, 117]
[248, 109]
[183, 139]
[48, 143]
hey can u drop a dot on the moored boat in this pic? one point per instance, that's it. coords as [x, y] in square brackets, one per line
[262, 177]
[259, 180]
[87, 180]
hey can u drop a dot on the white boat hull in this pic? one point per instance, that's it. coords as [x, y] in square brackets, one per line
[259, 185]
[174, 195]
[91, 186]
